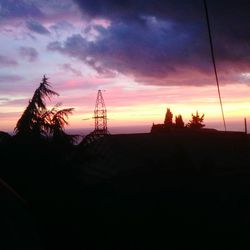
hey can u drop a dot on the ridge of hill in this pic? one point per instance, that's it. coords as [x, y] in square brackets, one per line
[179, 152]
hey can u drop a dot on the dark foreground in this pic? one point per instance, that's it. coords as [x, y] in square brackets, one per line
[189, 190]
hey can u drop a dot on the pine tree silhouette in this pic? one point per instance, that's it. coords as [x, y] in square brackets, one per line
[196, 122]
[37, 121]
[33, 122]
[179, 123]
[168, 122]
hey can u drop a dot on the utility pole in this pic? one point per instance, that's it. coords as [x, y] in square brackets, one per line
[245, 123]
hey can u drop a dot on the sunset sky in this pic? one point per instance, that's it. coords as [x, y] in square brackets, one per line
[145, 56]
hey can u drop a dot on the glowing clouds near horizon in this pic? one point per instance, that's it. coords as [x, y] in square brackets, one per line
[142, 106]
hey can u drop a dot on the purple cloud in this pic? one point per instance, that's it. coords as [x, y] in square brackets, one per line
[230, 27]
[151, 52]
[61, 26]
[28, 53]
[7, 62]
[163, 42]
[18, 9]
[37, 27]
[9, 78]
[11, 9]
[68, 67]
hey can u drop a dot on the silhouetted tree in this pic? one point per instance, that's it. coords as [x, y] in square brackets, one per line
[57, 121]
[37, 121]
[179, 123]
[196, 122]
[168, 122]
[32, 121]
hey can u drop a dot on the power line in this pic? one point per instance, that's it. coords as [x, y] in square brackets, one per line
[214, 64]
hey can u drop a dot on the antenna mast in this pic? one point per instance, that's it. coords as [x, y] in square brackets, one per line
[100, 115]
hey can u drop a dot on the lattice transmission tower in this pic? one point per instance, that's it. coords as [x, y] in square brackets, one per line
[100, 115]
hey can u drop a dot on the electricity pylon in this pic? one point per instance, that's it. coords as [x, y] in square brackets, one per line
[100, 115]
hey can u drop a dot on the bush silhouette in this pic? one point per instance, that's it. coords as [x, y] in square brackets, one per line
[197, 121]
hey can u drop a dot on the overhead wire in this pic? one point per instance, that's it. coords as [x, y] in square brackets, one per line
[214, 63]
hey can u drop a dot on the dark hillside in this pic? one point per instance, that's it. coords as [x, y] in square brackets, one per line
[187, 152]
[39, 173]
[178, 190]
[186, 189]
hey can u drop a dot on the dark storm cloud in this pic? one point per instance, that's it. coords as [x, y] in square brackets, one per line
[128, 49]
[157, 40]
[133, 9]
[7, 62]
[37, 27]
[28, 53]
[230, 19]
[235, 13]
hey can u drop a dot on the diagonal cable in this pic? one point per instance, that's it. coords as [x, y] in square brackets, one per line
[214, 64]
